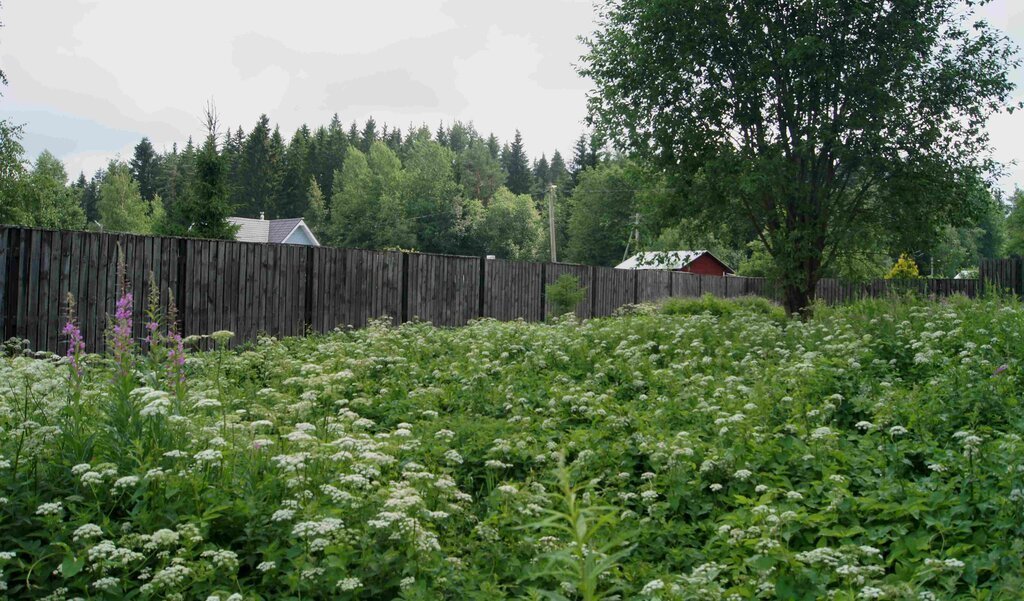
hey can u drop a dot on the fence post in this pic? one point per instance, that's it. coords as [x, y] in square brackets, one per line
[403, 314]
[184, 307]
[483, 286]
[5, 235]
[543, 291]
[593, 291]
[307, 314]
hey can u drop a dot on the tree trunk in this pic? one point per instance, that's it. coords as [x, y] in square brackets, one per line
[796, 300]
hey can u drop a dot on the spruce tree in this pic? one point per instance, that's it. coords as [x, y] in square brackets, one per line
[295, 180]
[494, 146]
[541, 177]
[442, 135]
[254, 189]
[144, 169]
[517, 166]
[204, 211]
[369, 135]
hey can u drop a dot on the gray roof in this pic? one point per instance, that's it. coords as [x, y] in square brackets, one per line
[264, 230]
[251, 230]
[676, 259]
[280, 228]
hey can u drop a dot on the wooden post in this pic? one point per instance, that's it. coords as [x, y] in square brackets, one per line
[551, 223]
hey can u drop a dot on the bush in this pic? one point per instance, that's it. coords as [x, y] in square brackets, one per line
[565, 294]
[904, 269]
[721, 306]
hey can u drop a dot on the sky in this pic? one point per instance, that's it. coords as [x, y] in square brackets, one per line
[90, 78]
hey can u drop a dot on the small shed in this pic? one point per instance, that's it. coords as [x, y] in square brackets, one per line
[277, 231]
[690, 261]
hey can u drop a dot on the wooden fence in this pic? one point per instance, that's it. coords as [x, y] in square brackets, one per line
[281, 290]
[1006, 275]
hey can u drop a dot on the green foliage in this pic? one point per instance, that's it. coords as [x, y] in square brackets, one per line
[143, 166]
[203, 211]
[517, 167]
[1015, 224]
[38, 197]
[862, 453]
[480, 174]
[564, 295]
[602, 214]
[719, 307]
[510, 226]
[431, 198]
[822, 128]
[47, 199]
[316, 210]
[904, 269]
[120, 205]
[367, 210]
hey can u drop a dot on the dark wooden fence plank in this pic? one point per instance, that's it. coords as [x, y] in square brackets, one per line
[513, 290]
[653, 284]
[613, 288]
[443, 290]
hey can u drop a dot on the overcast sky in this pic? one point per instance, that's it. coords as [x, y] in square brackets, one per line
[89, 78]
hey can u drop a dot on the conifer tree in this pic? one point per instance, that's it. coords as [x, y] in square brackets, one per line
[494, 146]
[144, 169]
[517, 166]
[204, 211]
[369, 135]
[254, 189]
[295, 179]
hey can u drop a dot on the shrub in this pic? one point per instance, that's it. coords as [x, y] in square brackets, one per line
[722, 307]
[565, 294]
[904, 269]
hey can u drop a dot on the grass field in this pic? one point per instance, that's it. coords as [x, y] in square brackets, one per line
[707, 450]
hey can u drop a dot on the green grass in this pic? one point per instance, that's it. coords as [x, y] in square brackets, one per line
[707, 450]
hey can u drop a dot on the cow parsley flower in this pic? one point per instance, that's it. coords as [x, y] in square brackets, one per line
[50, 509]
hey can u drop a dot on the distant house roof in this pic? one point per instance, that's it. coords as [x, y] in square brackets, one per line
[277, 231]
[672, 259]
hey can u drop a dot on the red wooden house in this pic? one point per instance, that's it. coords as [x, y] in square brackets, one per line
[691, 261]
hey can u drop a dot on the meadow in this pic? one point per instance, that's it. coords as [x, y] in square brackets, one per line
[698, 450]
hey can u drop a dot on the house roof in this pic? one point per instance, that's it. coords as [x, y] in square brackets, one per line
[672, 259]
[281, 228]
[268, 230]
[251, 230]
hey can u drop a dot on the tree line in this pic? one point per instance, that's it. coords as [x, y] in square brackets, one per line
[450, 190]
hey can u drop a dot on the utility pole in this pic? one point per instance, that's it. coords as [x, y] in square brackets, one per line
[634, 236]
[551, 223]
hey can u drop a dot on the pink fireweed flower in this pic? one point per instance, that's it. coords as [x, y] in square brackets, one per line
[1001, 369]
[176, 356]
[122, 335]
[76, 344]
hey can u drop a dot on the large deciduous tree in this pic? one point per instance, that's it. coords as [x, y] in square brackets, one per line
[120, 205]
[815, 124]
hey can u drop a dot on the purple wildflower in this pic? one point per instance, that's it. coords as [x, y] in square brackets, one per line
[122, 334]
[1001, 369]
[76, 344]
[176, 354]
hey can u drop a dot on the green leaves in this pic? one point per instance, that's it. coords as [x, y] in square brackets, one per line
[823, 129]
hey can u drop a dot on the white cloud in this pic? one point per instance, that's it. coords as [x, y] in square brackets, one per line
[88, 77]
